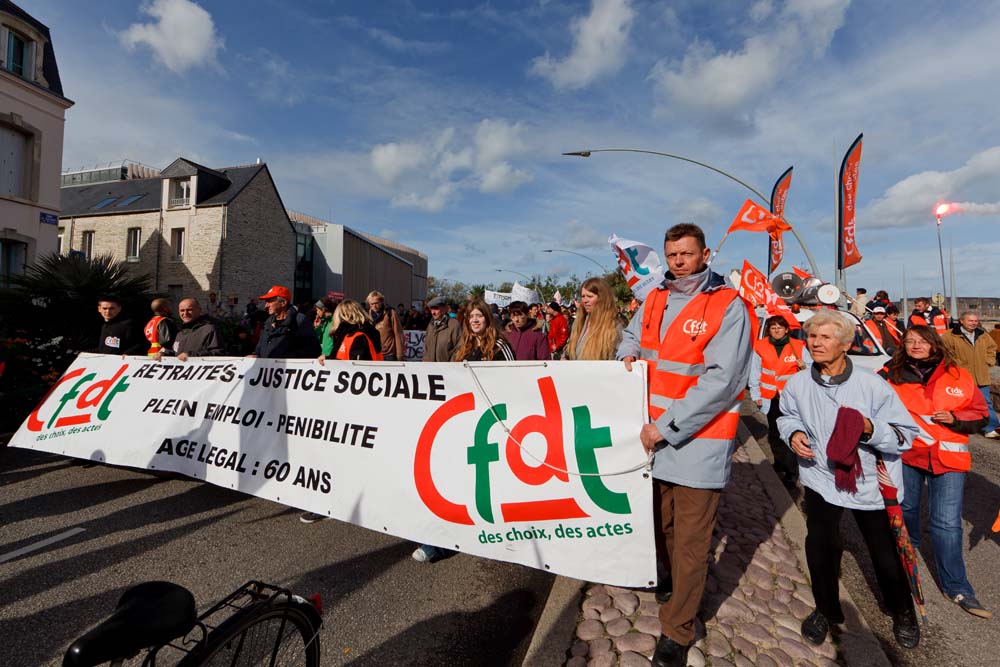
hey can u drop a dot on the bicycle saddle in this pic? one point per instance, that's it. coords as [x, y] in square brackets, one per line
[147, 615]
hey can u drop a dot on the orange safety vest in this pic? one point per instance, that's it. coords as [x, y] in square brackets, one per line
[678, 361]
[877, 335]
[344, 352]
[152, 332]
[939, 322]
[774, 370]
[952, 391]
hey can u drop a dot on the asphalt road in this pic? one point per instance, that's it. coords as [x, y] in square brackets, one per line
[111, 528]
[950, 636]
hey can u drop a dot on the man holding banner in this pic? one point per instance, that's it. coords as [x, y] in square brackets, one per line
[695, 334]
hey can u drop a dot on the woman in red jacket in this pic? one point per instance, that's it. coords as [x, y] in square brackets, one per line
[946, 404]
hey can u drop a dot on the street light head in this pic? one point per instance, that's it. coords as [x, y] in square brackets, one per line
[549, 250]
[579, 154]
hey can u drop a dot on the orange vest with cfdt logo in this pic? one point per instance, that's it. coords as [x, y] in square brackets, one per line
[678, 361]
[153, 335]
[775, 370]
[953, 390]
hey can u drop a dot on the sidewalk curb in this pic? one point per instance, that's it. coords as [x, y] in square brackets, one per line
[556, 625]
[858, 644]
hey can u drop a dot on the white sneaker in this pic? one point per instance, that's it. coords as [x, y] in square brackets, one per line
[994, 435]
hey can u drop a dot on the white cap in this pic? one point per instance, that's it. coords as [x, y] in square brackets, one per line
[878, 309]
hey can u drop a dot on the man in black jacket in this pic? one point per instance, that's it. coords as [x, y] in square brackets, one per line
[119, 334]
[199, 335]
[287, 333]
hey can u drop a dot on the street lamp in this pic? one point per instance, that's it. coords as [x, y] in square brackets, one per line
[525, 276]
[941, 211]
[765, 200]
[590, 259]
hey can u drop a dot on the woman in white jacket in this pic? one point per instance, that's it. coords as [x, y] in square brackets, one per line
[839, 421]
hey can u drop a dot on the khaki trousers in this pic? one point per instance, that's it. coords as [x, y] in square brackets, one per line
[684, 519]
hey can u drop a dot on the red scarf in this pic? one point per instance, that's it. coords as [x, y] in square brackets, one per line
[842, 449]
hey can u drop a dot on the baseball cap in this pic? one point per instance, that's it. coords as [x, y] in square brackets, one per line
[878, 309]
[277, 291]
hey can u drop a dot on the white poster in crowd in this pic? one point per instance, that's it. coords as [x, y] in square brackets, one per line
[501, 299]
[414, 341]
[521, 293]
[420, 451]
[640, 265]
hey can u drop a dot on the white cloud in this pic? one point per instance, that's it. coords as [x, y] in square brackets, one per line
[496, 141]
[432, 203]
[761, 9]
[700, 211]
[503, 178]
[275, 81]
[599, 43]
[724, 88]
[182, 35]
[581, 236]
[390, 161]
[911, 201]
[394, 43]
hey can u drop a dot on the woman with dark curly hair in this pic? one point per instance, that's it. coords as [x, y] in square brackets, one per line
[947, 405]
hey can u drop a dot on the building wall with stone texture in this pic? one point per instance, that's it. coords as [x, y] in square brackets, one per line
[259, 248]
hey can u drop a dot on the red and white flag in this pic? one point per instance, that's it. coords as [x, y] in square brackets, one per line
[779, 193]
[848, 253]
[755, 289]
[755, 218]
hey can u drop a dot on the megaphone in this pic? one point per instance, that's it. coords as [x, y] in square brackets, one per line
[787, 285]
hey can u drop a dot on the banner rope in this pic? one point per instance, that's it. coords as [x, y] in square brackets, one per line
[645, 465]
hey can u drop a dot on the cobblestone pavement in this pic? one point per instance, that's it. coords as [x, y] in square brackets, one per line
[755, 597]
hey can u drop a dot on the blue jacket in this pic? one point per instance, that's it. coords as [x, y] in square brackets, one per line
[809, 404]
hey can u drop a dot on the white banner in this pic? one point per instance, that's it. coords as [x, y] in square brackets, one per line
[417, 451]
[501, 299]
[414, 341]
[522, 293]
[639, 264]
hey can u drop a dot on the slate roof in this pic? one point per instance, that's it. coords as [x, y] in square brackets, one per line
[49, 67]
[78, 200]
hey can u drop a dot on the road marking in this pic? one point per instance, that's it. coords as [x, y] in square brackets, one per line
[41, 545]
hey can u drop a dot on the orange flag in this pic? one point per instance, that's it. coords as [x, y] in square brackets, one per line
[801, 273]
[755, 289]
[754, 218]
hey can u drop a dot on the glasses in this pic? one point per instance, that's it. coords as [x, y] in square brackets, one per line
[916, 343]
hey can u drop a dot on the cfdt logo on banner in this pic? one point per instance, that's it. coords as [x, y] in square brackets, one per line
[87, 400]
[484, 459]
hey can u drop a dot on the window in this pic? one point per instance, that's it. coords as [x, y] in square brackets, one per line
[87, 244]
[13, 255]
[177, 243]
[133, 243]
[129, 200]
[17, 54]
[180, 193]
[104, 202]
[15, 159]
[59, 241]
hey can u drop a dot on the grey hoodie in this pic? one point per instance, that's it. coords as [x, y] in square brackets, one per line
[702, 463]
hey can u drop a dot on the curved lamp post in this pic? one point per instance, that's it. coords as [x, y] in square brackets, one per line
[525, 276]
[757, 193]
[578, 254]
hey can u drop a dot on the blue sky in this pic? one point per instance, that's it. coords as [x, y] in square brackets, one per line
[441, 124]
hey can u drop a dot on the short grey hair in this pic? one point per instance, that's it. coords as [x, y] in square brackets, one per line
[967, 313]
[845, 328]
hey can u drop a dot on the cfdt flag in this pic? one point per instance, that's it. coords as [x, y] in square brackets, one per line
[778, 195]
[755, 218]
[755, 289]
[847, 245]
[640, 265]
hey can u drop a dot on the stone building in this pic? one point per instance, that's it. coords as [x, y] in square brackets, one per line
[209, 233]
[32, 116]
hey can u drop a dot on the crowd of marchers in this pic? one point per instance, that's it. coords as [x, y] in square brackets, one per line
[855, 440]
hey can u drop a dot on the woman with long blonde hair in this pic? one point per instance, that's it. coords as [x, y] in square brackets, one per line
[596, 330]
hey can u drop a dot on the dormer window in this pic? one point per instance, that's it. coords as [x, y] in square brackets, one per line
[180, 193]
[19, 57]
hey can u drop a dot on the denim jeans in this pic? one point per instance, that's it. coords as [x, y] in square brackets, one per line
[945, 493]
[994, 422]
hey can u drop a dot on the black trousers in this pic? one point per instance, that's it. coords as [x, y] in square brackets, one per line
[824, 548]
[785, 460]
